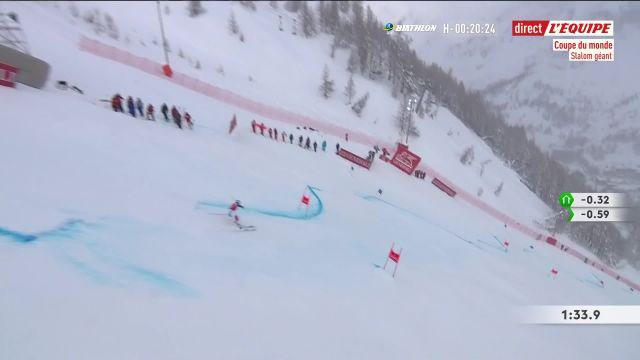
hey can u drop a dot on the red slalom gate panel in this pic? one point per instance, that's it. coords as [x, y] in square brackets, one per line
[151, 67]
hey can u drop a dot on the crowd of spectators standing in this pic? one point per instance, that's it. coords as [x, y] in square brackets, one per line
[306, 143]
[136, 108]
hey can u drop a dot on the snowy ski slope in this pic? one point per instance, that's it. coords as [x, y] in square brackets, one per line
[114, 241]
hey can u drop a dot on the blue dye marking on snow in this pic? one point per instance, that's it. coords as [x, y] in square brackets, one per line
[87, 270]
[17, 236]
[375, 198]
[67, 228]
[71, 228]
[158, 278]
[315, 209]
[499, 247]
[597, 283]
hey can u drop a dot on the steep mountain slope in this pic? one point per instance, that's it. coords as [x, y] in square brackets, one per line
[114, 241]
[585, 114]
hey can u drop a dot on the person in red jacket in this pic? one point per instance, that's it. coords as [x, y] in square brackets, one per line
[116, 103]
[150, 113]
[177, 118]
[187, 118]
[233, 209]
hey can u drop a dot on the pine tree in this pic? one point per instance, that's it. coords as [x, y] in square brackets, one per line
[467, 156]
[333, 16]
[360, 104]
[194, 8]
[292, 6]
[322, 16]
[327, 84]
[360, 35]
[233, 24]
[112, 29]
[248, 4]
[334, 46]
[307, 20]
[343, 6]
[350, 90]
[352, 63]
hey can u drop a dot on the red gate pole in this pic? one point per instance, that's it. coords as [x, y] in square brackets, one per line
[387, 260]
[397, 263]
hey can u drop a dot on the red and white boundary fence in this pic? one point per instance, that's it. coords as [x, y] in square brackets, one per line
[271, 112]
[395, 257]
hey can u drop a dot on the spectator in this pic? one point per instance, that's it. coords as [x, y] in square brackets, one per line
[271, 133]
[307, 144]
[324, 145]
[187, 118]
[315, 146]
[262, 127]
[291, 138]
[253, 125]
[150, 113]
[176, 117]
[300, 140]
[131, 106]
[346, 137]
[165, 109]
[116, 103]
[284, 137]
[140, 107]
[337, 148]
[275, 134]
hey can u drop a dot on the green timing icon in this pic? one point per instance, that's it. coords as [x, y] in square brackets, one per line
[566, 200]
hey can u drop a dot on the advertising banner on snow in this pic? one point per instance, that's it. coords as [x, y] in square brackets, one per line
[354, 158]
[8, 75]
[444, 187]
[405, 160]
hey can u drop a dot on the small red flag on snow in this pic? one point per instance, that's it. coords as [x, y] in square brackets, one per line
[305, 199]
[395, 257]
[554, 271]
[506, 243]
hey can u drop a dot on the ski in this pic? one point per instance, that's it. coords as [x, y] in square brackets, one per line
[246, 228]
